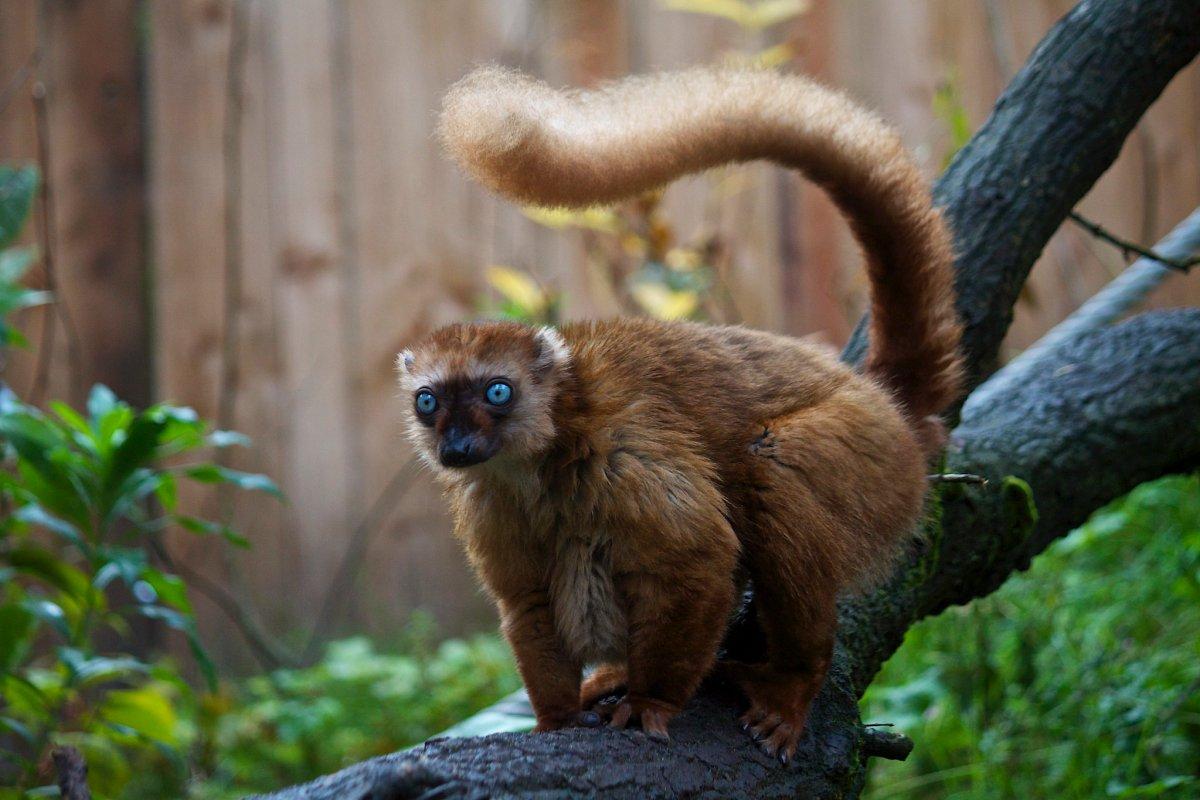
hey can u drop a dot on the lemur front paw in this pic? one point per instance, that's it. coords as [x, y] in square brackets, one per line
[652, 714]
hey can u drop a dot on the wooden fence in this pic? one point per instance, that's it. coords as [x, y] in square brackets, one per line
[248, 214]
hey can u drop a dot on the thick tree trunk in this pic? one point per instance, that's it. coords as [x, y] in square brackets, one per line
[1111, 410]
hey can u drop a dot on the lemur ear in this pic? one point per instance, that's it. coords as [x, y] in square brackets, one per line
[404, 361]
[552, 351]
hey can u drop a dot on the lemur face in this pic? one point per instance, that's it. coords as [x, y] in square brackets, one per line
[481, 392]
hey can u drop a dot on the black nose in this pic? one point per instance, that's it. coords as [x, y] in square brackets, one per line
[460, 450]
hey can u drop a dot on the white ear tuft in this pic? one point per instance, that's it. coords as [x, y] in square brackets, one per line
[404, 361]
[553, 349]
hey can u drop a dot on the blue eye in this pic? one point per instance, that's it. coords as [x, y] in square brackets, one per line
[426, 402]
[498, 393]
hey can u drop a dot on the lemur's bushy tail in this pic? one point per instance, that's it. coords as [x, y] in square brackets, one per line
[577, 148]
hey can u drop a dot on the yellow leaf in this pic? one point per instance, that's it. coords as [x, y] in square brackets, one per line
[634, 245]
[753, 16]
[734, 10]
[659, 301]
[771, 58]
[517, 287]
[596, 218]
[145, 711]
[683, 258]
[772, 12]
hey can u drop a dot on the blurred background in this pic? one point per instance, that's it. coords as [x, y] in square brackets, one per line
[243, 210]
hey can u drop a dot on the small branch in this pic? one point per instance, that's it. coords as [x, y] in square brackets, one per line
[270, 655]
[19, 77]
[1108, 305]
[886, 744]
[41, 373]
[71, 770]
[1127, 247]
[958, 477]
[352, 558]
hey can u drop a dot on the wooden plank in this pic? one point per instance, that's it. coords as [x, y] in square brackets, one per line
[423, 235]
[18, 146]
[92, 143]
[308, 275]
[95, 116]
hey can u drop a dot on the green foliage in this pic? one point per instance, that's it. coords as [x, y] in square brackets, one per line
[296, 724]
[17, 188]
[948, 107]
[18, 185]
[1078, 679]
[85, 497]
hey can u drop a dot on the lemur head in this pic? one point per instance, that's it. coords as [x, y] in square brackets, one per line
[481, 391]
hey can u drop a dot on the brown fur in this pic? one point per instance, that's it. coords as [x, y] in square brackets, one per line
[642, 467]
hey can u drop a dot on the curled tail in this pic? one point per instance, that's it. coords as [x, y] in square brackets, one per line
[576, 148]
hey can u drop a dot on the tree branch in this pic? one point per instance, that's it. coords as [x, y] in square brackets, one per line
[1056, 129]
[1112, 302]
[1127, 247]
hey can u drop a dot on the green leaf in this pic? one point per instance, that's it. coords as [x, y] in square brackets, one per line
[44, 565]
[170, 589]
[137, 449]
[207, 527]
[34, 514]
[145, 711]
[228, 439]
[17, 625]
[23, 697]
[17, 727]
[101, 402]
[187, 625]
[17, 188]
[129, 563]
[167, 491]
[89, 671]
[49, 612]
[211, 473]
[121, 501]
[70, 416]
[15, 262]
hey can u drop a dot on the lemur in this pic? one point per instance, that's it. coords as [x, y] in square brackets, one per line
[614, 482]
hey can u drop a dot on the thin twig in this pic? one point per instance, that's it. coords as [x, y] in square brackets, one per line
[1109, 304]
[269, 653]
[19, 77]
[1127, 247]
[356, 549]
[958, 477]
[41, 374]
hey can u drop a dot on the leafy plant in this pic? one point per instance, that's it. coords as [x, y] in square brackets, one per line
[83, 499]
[293, 725]
[1077, 679]
[87, 497]
[17, 188]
